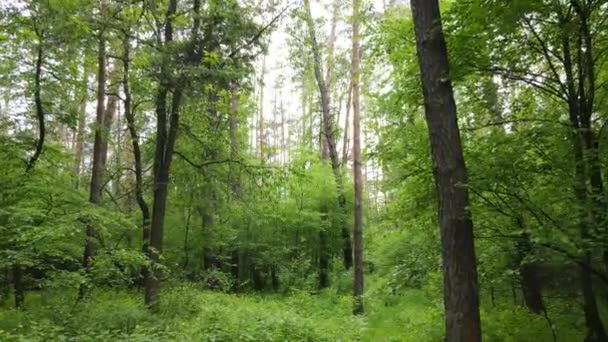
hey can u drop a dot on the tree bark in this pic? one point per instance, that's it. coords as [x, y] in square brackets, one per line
[461, 299]
[358, 219]
[167, 124]
[98, 164]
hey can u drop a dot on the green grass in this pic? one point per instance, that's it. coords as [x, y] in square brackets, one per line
[191, 314]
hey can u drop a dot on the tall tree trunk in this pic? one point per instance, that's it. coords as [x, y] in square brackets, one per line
[328, 129]
[345, 139]
[166, 134]
[167, 123]
[137, 159]
[358, 220]
[80, 130]
[98, 163]
[17, 269]
[160, 170]
[461, 299]
[283, 147]
[595, 327]
[39, 110]
[261, 114]
[235, 182]
[580, 108]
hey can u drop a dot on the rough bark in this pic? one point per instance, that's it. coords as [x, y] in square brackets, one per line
[358, 219]
[98, 163]
[461, 300]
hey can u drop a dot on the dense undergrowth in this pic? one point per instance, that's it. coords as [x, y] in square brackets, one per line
[189, 313]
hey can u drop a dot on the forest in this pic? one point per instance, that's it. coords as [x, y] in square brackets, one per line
[304, 170]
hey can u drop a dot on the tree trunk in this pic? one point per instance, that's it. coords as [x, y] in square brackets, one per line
[461, 299]
[358, 220]
[345, 139]
[137, 160]
[166, 134]
[39, 110]
[99, 157]
[167, 125]
[580, 108]
[235, 182]
[323, 259]
[528, 273]
[19, 291]
[328, 129]
[261, 115]
[284, 142]
[80, 130]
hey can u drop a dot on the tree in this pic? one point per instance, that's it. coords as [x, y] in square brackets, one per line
[328, 128]
[167, 121]
[461, 299]
[99, 155]
[358, 221]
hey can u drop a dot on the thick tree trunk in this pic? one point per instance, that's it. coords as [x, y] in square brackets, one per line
[98, 163]
[358, 220]
[167, 123]
[461, 299]
[166, 135]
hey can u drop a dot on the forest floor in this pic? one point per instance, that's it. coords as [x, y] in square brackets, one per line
[191, 314]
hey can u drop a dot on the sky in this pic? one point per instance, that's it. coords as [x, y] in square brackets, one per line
[277, 64]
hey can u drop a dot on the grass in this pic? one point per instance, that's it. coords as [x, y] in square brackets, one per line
[188, 313]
